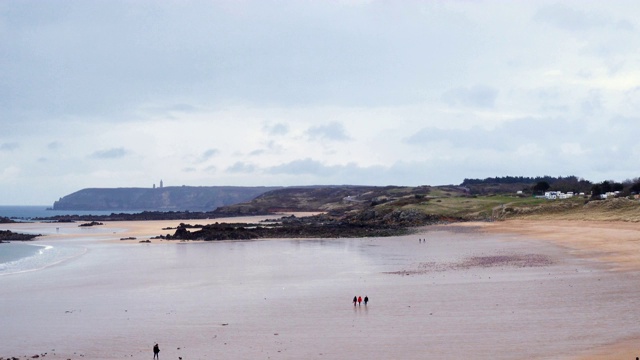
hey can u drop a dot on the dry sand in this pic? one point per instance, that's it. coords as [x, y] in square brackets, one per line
[509, 290]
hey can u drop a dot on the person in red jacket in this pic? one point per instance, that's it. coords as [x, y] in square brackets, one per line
[359, 300]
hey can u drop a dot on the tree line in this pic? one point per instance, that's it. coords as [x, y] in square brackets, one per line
[540, 184]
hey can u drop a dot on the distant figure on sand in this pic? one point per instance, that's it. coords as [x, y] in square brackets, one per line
[156, 351]
[366, 300]
[359, 300]
[355, 300]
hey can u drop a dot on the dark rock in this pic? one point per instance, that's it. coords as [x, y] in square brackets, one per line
[9, 235]
[93, 223]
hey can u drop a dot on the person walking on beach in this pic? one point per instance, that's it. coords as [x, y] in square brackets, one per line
[156, 352]
[355, 300]
[366, 300]
[359, 300]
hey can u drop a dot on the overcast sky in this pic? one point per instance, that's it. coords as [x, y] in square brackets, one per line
[125, 93]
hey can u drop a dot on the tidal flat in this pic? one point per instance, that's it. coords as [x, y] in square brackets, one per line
[444, 292]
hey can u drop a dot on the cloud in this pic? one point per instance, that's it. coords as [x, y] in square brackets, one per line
[114, 153]
[186, 108]
[567, 18]
[507, 136]
[478, 96]
[574, 19]
[9, 146]
[258, 152]
[298, 167]
[592, 105]
[54, 145]
[10, 172]
[276, 129]
[333, 131]
[208, 154]
[241, 167]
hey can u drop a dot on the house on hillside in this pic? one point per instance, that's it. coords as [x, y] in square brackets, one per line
[553, 195]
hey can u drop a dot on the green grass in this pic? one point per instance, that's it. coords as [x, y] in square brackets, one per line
[481, 207]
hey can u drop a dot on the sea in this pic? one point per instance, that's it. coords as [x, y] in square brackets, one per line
[19, 256]
[26, 213]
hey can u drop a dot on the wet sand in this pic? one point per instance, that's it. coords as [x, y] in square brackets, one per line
[481, 291]
[615, 245]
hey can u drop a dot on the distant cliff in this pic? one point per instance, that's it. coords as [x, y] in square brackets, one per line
[172, 198]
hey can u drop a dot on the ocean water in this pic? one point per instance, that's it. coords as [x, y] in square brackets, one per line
[30, 212]
[17, 257]
[14, 251]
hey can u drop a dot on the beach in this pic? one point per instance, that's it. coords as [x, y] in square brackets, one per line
[503, 290]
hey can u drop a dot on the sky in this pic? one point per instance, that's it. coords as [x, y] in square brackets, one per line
[284, 93]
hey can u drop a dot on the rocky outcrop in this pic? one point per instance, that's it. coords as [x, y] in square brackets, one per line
[329, 225]
[10, 235]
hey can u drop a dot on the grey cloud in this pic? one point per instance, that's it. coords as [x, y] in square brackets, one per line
[566, 18]
[241, 167]
[257, 152]
[592, 104]
[625, 25]
[335, 174]
[208, 154]
[271, 147]
[507, 136]
[332, 131]
[113, 153]
[479, 96]
[186, 108]
[301, 167]
[60, 59]
[277, 129]
[54, 145]
[9, 146]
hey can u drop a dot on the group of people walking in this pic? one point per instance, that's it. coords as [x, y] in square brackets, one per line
[358, 300]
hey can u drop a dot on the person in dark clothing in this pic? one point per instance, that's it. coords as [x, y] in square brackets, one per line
[366, 300]
[156, 351]
[355, 300]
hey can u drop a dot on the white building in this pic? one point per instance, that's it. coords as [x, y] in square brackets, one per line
[553, 195]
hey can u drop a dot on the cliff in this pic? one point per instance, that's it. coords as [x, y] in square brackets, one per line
[172, 198]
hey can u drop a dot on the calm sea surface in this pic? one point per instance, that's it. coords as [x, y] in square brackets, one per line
[30, 212]
[18, 256]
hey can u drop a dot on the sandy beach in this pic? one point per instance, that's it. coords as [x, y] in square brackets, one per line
[504, 290]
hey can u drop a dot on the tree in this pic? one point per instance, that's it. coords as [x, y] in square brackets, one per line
[541, 187]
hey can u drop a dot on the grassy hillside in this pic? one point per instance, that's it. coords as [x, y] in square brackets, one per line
[443, 201]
